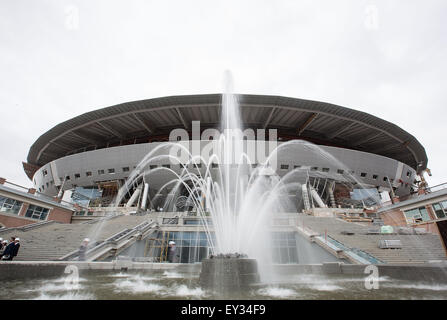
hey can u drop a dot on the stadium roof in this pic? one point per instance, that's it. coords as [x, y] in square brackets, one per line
[152, 119]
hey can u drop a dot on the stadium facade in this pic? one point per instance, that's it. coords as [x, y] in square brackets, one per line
[96, 152]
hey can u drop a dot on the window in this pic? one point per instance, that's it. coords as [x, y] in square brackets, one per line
[126, 169]
[67, 178]
[417, 215]
[375, 176]
[166, 165]
[10, 205]
[152, 166]
[100, 172]
[296, 167]
[254, 165]
[36, 212]
[340, 171]
[191, 246]
[214, 165]
[191, 222]
[45, 172]
[88, 173]
[170, 220]
[363, 174]
[314, 168]
[284, 166]
[385, 179]
[440, 209]
[325, 170]
[111, 171]
[77, 175]
[198, 165]
[408, 173]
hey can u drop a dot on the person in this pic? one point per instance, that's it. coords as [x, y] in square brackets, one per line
[83, 249]
[8, 254]
[171, 251]
[16, 248]
[3, 246]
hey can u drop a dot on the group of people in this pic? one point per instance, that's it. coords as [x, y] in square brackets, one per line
[9, 250]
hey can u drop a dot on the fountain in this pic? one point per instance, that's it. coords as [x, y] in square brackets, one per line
[234, 219]
[236, 204]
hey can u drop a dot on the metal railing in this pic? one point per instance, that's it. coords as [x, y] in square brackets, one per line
[437, 187]
[28, 226]
[102, 247]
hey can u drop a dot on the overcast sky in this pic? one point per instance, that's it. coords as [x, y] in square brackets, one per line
[59, 59]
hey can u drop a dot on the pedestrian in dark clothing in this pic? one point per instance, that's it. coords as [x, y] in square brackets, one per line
[83, 249]
[15, 249]
[8, 254]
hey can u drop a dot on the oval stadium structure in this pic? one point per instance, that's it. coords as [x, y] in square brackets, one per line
[99, 149]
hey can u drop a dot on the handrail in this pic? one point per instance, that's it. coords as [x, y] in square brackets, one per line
[111, 241]
[29, 226]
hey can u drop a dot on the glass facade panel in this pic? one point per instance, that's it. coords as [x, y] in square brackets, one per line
[192, 247]
[284, 249]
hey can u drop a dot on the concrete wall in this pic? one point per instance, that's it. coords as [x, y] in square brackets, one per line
[13, 221]
[430, 272]
[60, 215]
[298, 154]
[396, 217]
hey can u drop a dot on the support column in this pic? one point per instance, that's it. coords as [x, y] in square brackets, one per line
[331, 194]
[134, 197]
[145, 193]
[317, 198]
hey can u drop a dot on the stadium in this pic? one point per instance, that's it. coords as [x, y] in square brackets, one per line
[98, 150]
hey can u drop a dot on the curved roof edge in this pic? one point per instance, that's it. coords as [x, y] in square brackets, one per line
[400, 136]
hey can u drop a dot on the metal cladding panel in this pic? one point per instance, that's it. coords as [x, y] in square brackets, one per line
[289, 113]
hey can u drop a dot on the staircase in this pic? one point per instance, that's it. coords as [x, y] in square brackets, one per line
[55, 240]
[415, 248]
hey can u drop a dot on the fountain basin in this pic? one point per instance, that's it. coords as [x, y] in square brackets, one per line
[229, 273]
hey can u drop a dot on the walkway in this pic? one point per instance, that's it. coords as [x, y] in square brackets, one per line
[415, 248]
[54, 240]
